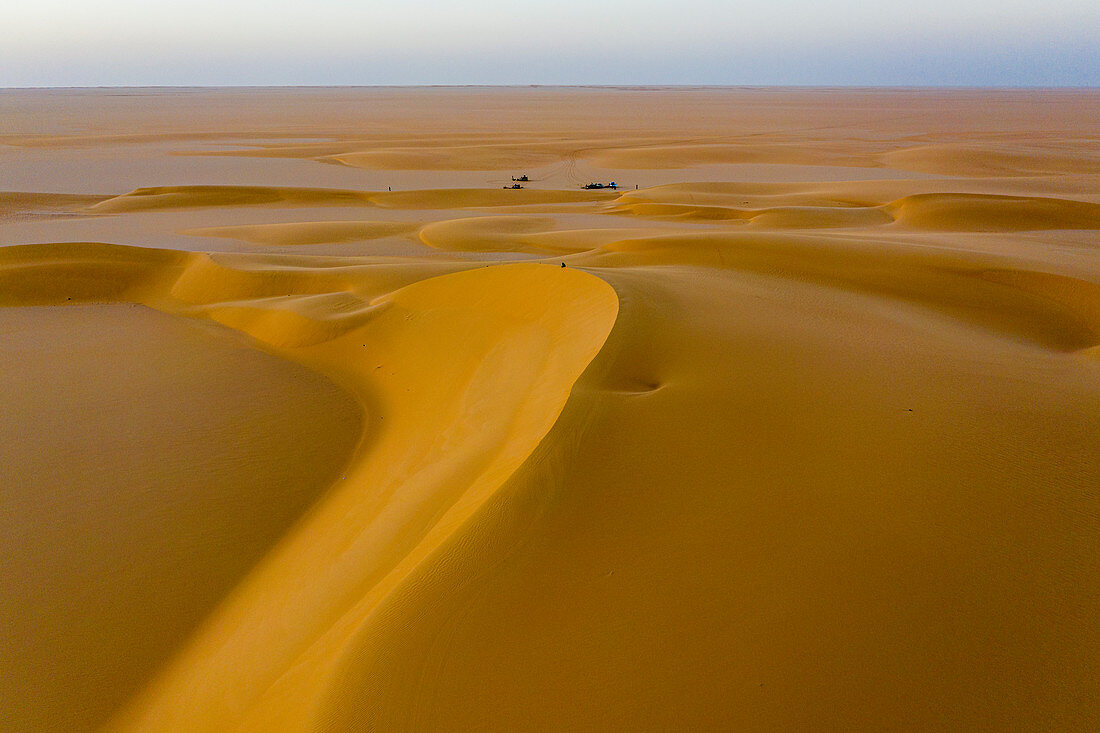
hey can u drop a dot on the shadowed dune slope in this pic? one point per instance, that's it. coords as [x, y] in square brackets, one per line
[108, 517]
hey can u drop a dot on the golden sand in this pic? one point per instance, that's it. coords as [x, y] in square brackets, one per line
[307, 427]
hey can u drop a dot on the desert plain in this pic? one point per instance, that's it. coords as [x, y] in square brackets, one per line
[311, 422]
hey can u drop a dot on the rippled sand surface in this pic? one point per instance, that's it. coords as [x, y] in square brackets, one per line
[310, 422]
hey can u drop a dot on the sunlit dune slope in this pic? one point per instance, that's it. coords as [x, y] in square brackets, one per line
[516, 233]
[174, 197]
[181, 197]
[968, 212]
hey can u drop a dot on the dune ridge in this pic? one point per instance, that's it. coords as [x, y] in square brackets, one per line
[183, 197]
[929, 211]
[550, 319]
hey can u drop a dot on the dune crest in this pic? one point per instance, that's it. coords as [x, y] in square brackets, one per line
[179, 197]
[188, 197]
[932, 211]
[489, 356]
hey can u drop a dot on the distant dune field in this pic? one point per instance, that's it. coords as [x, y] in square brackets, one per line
[312, 422]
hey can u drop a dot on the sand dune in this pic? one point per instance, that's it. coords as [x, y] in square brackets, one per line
[485, 234]
[474, 157]
[312, 232]
[183, 197]
[934, 211]
[969, 212]
[530, 234]
[857, 562]
[20, 206]
[511, 348]
[1052, 310]
[178, 197]
[1004, 160]
[741, 454]
[683, 156]
[459, 198]
[52, 274]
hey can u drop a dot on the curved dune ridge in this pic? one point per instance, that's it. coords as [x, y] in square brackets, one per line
[1047, 309]
[473, 158]
[931, 211]
[186, 197]
[762, 453]
[448, 152]
[492, 353]
[487, 234]
[530, 234]
[179, 197]
[971, 212]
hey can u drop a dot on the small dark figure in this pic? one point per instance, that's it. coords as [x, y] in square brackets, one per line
[563, 264]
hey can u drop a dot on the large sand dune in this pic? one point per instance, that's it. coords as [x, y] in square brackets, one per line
[728, 448]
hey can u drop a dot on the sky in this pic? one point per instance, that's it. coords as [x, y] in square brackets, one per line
[407, 42]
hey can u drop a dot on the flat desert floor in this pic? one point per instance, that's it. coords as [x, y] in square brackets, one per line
[311, 422]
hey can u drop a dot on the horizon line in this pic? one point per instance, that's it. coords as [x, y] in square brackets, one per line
[639, 87]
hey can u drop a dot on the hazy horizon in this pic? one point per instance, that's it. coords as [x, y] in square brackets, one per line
[635, 87]
[573, 43]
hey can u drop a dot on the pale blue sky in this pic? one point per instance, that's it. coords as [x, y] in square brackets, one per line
[842, 42]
